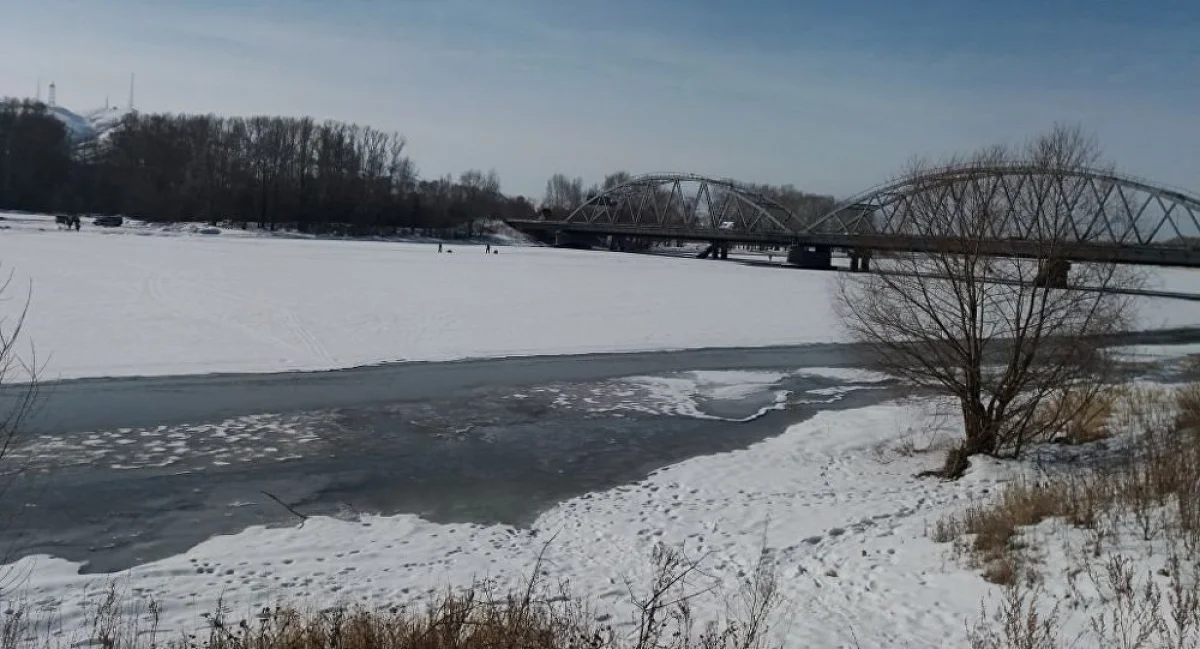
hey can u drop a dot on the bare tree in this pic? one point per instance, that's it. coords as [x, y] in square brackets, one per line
[562, 193]
[1007, 335]
[18, 395]
[18, 378]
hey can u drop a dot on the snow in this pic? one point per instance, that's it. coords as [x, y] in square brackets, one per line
[832, 506]
[844, 529]
[683, 394]
[111, 303]
[78, 127]
[155, 305]
[241, 440]
[842, 519]
[1151, 353]
[89, 125]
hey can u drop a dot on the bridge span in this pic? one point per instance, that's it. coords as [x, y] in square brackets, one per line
[1073, 215]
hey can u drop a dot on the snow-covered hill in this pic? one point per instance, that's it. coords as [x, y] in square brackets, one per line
[89, 125]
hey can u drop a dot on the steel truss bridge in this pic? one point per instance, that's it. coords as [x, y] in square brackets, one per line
[1091, 215]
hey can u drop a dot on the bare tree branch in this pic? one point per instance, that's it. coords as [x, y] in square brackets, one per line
[1009, 338]
[19, 392]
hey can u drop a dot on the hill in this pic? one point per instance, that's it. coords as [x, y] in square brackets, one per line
[90, 125]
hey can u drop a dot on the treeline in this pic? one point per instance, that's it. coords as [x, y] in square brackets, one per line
[35, 157]
[271, 172]
[268, 171]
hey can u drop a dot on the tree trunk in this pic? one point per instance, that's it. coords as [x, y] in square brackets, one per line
[980, 431]
[981, 439]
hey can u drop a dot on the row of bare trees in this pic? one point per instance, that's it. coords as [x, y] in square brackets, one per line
[35, 156]
[269, 171]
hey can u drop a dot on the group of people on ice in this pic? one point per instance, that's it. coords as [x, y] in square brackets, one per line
[488, 250]
[68, 221]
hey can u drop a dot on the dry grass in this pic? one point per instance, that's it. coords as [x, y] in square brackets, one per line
[537, 616]
[994, 527]
[1187, 403]
[1152, 477]
[1159, 611]
[1146, 483]
[1018, 623]
[1090, 416]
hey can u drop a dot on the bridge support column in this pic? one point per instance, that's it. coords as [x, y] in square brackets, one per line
[860, 261]
[718, 250]
[812, 257]
[1052, 273]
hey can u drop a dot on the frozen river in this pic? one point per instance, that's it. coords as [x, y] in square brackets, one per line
[125, 471]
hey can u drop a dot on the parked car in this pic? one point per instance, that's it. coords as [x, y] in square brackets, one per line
[108, 221]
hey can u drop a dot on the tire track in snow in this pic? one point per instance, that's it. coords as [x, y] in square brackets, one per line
[152, 287]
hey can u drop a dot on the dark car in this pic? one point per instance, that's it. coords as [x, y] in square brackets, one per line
[108, 221]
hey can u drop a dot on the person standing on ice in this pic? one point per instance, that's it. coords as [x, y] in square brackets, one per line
[439, 246]
[488, 251]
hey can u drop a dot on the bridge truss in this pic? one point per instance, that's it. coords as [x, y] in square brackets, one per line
[1022, 203]
[1088, 215]
[686, 203]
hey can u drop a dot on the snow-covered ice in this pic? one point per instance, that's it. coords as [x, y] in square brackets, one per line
[106, 304]
[129, 305]
[239, 440]
[844, 528]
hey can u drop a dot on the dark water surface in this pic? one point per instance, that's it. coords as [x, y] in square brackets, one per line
[118, 472]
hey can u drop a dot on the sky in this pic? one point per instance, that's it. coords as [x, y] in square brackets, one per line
[831, 97]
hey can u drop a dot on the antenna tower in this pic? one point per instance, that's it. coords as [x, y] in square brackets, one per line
[53, 94]
[131, 92]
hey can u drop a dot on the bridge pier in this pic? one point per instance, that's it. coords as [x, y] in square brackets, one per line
[860, 261]
[718, 250]
[811, 257]
[1052, 273]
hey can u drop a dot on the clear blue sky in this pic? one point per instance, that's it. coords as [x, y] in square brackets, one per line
[829, 96]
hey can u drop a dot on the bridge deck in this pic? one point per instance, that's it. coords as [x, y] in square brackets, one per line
[1095, 252]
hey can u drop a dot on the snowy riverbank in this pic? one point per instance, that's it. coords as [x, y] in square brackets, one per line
[844, 525]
